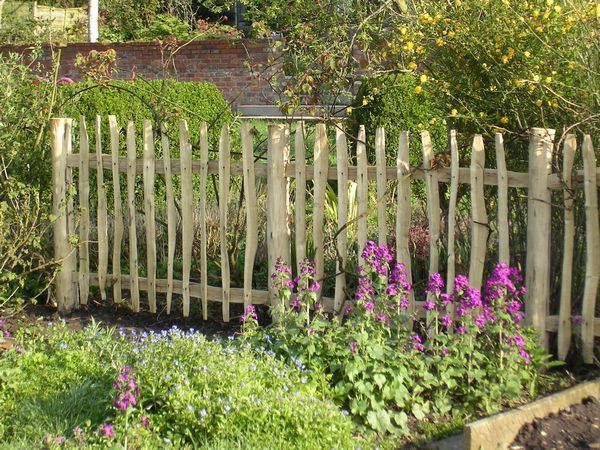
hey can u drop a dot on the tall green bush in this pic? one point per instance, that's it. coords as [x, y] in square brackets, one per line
[390, 101]
[157, 100]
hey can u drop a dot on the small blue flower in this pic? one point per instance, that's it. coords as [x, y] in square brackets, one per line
[63, 345]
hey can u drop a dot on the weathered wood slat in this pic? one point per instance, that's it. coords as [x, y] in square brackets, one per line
[62, 247]
[224, 182]
[84, 211]
[187, 207]
[278, 238]
[537, 277]
[321, 155]
[479, 220]
[380, 162]
[490, 176]
[203, 166]
[70, 210]
[300, 212]
[404, 210]
[134, 287]
[454, 166]
[362, 191]
[502, 219]
[251, 211]
[171, 214]
[149, 214]
[564, 324]
[102, 215]
[118, 210]
[553, 323]
[592, 261]
[341, 145]
[433, 207]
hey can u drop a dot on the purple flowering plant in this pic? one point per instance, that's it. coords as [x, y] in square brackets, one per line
[462, 347]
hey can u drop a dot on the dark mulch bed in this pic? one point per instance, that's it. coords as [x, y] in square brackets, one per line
[111, 315]
[575, 428]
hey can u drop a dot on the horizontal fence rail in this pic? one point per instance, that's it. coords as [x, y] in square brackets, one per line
[287, 222]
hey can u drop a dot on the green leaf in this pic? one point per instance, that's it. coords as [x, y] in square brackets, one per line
[379, 379]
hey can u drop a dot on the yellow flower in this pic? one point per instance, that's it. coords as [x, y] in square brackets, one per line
[423, 78]
[403, 30]
[409, 45]
[440, 42]
[536, 78]
[412, 65]
[527, 54]
[548, 80]
[518, 83]
[454, 113]
[555, 105]
[538, 102]
[505, 59]
[418, 89]
[571, 65]
[504, 120]
[349, 110]
[458, 3]
[558, 9]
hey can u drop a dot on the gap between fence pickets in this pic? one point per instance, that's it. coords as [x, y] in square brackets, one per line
[490, 176]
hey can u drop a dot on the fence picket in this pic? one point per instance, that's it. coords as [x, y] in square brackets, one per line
[202, 218]
[380, 163]
[479, 220]
[433, 206]
[502, 219]
[171, 214]
[62, 247]
[342, 218]
[118, 212]
[404, 210]
[537, 276]
[134, 285]
[564, 320]
[592, 261]
[149, 214]
[84, 211]
[70, 211]
[187, 207]
[362, 190]
[454, 166]
[278, 239]
[300, 173]
[321, 155]
[251, 211]
[224, 181]
[102, 215]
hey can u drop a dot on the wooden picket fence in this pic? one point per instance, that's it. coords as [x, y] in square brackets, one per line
[74, 278]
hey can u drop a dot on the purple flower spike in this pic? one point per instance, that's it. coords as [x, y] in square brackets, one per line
[108, 430]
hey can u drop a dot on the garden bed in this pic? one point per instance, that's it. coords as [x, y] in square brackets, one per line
[523, 426]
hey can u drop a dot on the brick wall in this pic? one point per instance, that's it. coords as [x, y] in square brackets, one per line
[221, 62]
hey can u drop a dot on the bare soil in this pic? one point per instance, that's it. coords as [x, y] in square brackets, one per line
[575, 428]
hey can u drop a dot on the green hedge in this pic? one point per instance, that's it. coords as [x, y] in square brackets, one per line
[158, 100]
[390, 101]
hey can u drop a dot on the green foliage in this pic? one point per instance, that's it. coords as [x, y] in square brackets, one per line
[157, 100]
[390, 101]
[193, 392]
[24, 192]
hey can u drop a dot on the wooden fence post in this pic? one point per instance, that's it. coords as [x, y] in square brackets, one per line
[64, 253]
[592, 245]
[537, 278]
[278, 236]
